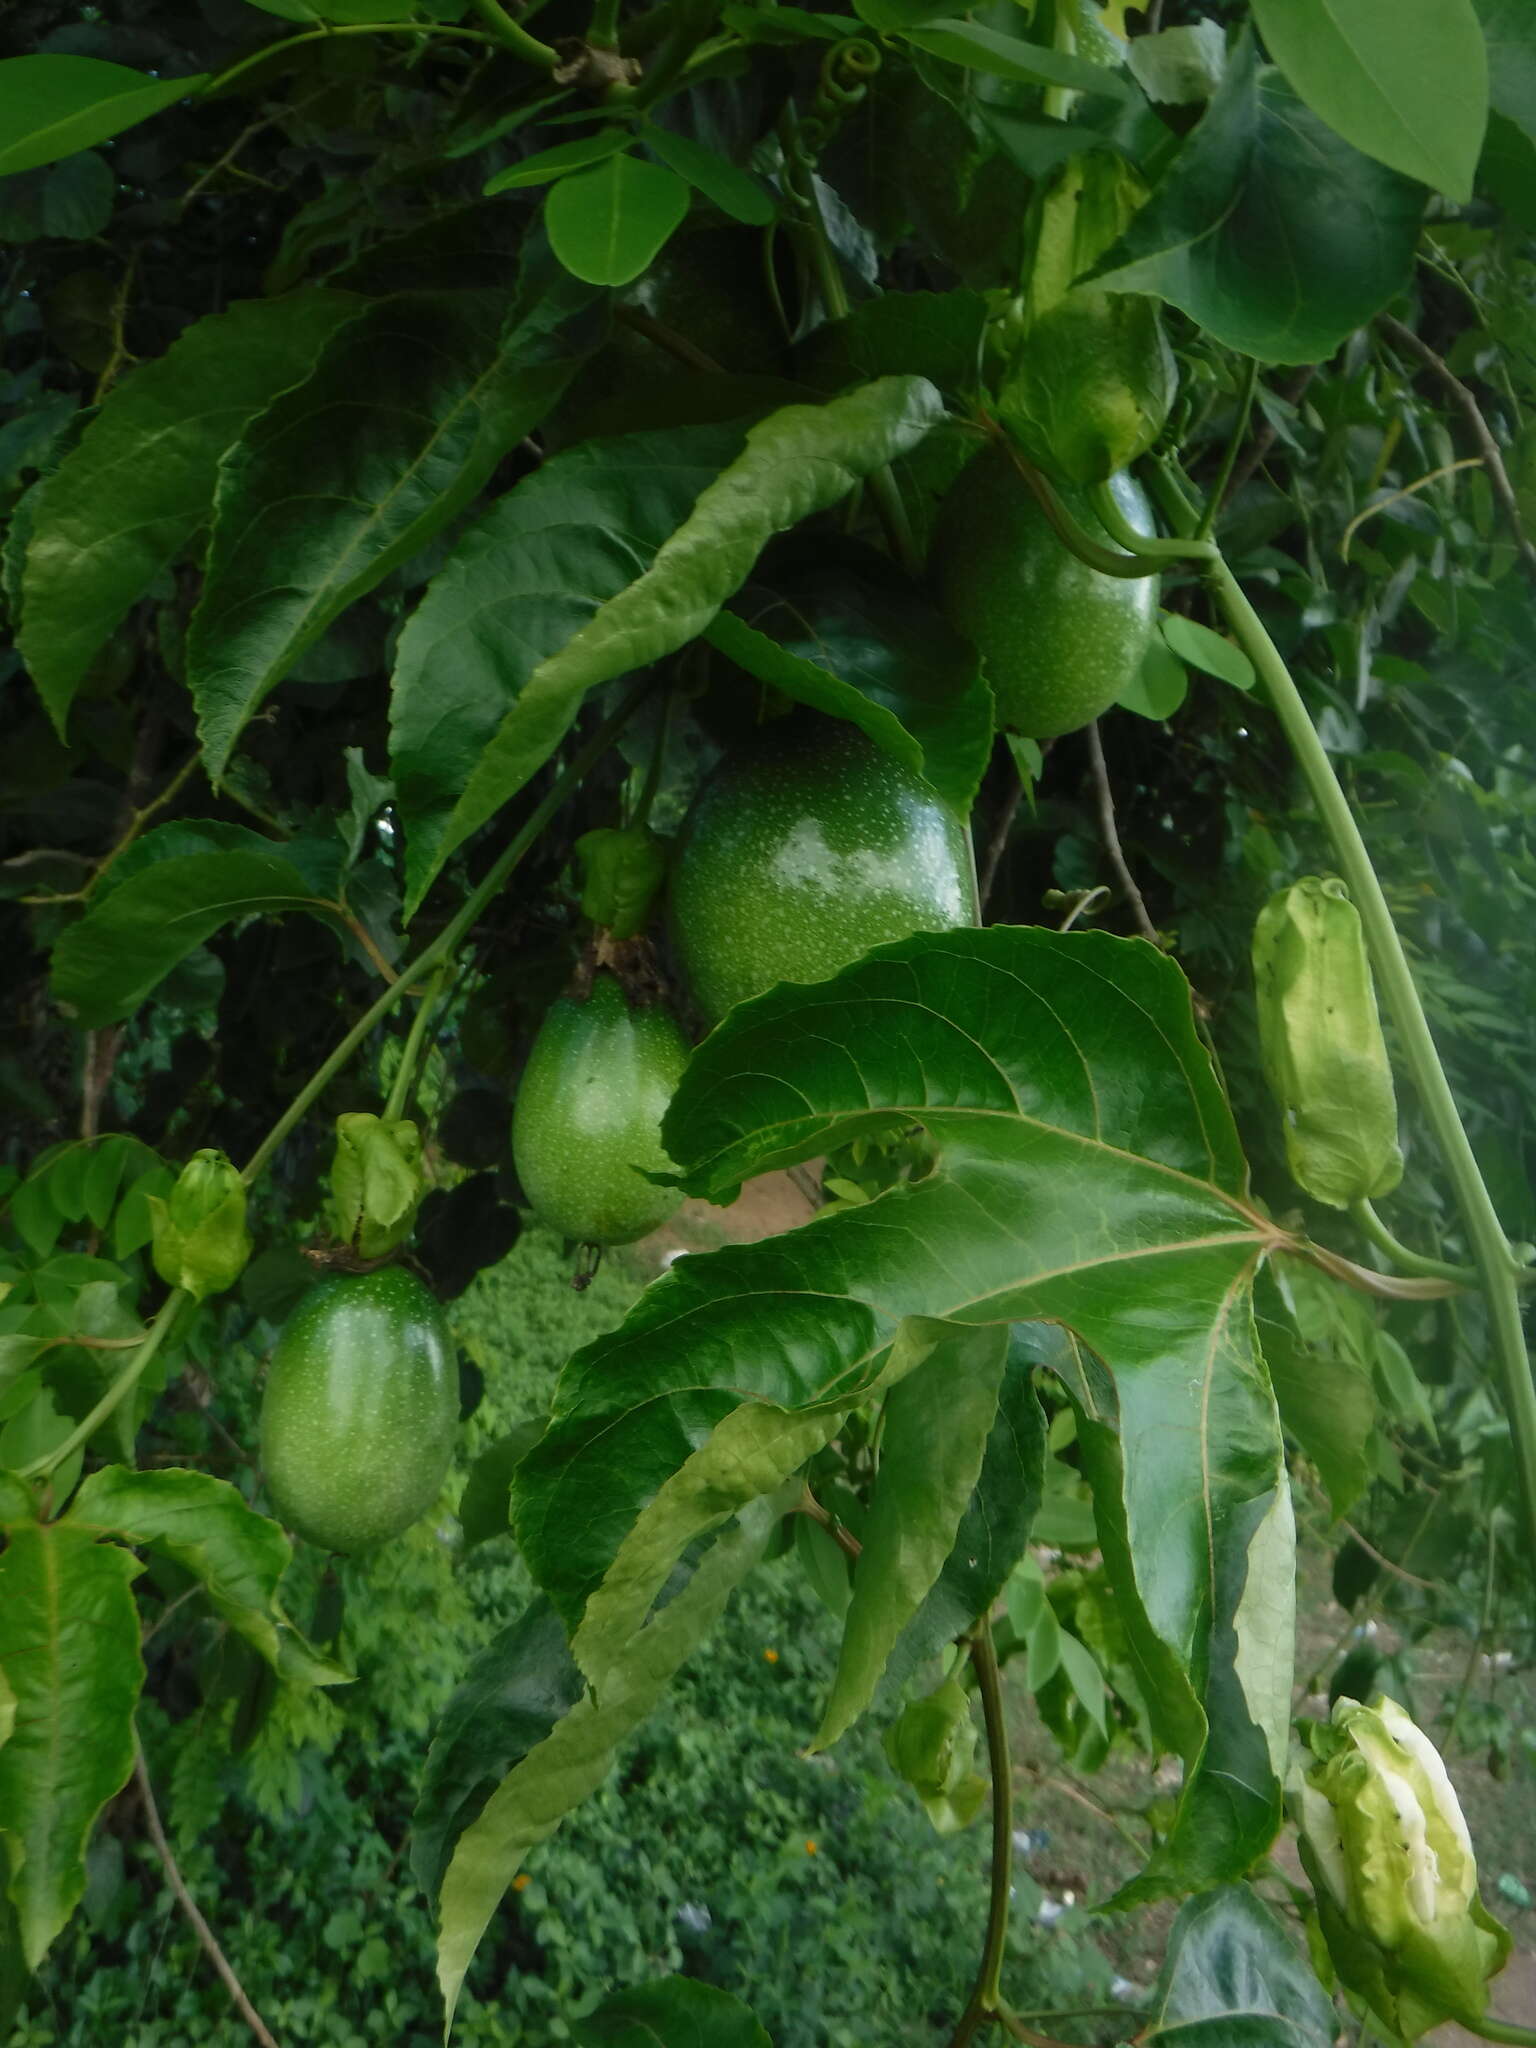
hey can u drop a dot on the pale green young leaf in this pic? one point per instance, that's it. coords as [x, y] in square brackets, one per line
[69, 1644]
[937, 1421]
[130, 496]
[238, 1556]
[734, 191]
[1406, 81]
[545, 165]
[1212, 653]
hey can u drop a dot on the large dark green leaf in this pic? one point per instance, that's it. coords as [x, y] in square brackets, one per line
[862, 644]
[978, 48]
[994, 1530]
[507, 1702]
[937, 1420]
[520, 585]
[1232, 1979]
[53, 105]
[69, 1645]
[126, 501]
[205, 1525]
[184, 883]
[674, 2012]
[1268, 229]
[400, 424]
[609, 527]
[1406, 81]
[577, 1754]
[1088, 1174]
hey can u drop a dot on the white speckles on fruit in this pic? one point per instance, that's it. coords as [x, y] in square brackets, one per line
[587, 1123]
[360, 1410]
[801, 853]
[1059, 640]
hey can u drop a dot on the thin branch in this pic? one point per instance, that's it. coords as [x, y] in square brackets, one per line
[668, 338]
[1109, 832]
[189, 1906]
[1398, 1571]
[997, 845]
[1266, 437]
[845, 1540]
[119, 354]
[1482, 433]
[986, 2002]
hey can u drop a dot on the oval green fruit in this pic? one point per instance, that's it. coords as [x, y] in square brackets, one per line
[1059, 641]
[587, 1122]
[803, 851]
[360, 1410]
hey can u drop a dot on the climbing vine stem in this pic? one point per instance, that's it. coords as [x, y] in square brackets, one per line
[1497, 1270]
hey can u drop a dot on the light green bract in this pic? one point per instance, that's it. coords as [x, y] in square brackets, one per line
[1320, 1036]
[376, 1181]
[1391, 1862]
[200, 1239]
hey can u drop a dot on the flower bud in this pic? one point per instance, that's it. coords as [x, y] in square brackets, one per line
[1387, 1848]
[1322, 1046]
[931, 1744]
[200, 1239]
[376, 1182]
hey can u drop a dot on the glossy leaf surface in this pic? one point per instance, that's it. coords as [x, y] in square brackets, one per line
[69, 1645]
[518, 1687]
[611, 527]
[1088, 1174]
[1270, 230]
[1406, 81]
[126, 501]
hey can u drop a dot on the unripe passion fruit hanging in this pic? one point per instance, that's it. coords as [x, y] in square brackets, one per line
[587, 1121]
[803, 851]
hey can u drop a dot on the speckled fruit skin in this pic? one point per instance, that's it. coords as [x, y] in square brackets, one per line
[588, 1113]
[360, 1410]
[1059, 640]
[803, 851]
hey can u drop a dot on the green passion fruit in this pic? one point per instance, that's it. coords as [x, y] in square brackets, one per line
[587, 1122]
[360, 1409]
[1059, 641]
[804, 850]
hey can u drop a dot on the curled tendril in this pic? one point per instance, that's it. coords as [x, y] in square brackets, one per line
[846, 71]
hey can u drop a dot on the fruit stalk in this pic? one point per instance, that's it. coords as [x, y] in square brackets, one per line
[454, 932]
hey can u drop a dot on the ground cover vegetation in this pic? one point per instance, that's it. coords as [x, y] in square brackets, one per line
[606, 602]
